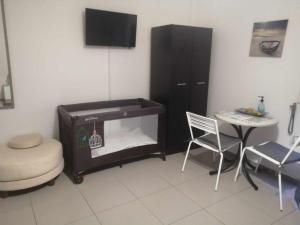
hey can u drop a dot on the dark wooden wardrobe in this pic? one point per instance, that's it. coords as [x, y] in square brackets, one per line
[180, 62]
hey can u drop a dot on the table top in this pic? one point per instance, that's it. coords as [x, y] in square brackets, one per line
[245, 120]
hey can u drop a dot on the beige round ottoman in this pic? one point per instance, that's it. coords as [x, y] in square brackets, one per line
[27, 161]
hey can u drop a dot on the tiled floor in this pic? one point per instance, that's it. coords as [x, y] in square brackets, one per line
[150, 192]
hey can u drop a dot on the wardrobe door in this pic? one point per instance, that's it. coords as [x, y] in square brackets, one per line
[160, 83]
[200, 70]
[178, 132]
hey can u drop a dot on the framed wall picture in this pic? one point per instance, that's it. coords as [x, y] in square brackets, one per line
[268, 38]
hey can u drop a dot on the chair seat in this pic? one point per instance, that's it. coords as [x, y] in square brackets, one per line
[277, 152]
[211, 140]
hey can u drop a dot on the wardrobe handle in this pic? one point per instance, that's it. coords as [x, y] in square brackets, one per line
[181, 84]
[91, 118]
[201, 83]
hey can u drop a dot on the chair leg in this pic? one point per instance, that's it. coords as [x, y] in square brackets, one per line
[239, 166]
[219, 171]
[186, 156]
[241, 155]
[241, 150]
[258, 163]
[280, 190]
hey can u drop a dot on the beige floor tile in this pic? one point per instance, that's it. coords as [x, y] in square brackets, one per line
[205, 158]
[21, 216]
[14, 202]
[110, 194]
[169, 205]
[196, 167]
[101, 175]
[291, 219]
[202, 191]
[236, 211]
[174, 160]
[104, 192]
[178, 157]
[146, 164]
[142, 181]
[267, 201]
[174, 175]
[133, 213]
[135, 166]
[149, 163]
[277, 223]
[171, 170]
[59, 204]
[91, 220]
[227, 180]
[199, 218]
[62, 184]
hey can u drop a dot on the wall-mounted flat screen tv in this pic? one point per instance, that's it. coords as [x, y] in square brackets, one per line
[105, 28]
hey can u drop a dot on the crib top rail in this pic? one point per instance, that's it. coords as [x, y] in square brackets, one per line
[82, 113]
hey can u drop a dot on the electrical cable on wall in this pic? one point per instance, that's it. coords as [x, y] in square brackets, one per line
[292, 119]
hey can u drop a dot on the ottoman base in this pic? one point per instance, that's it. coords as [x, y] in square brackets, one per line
[6, 186]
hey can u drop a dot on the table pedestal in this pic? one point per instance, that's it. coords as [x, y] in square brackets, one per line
[246, 161]
[234, 162]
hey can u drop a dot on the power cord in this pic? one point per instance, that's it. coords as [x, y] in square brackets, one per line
[292, 118]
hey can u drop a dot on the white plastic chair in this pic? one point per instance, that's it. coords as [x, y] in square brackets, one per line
[276, 154]
[211, 140]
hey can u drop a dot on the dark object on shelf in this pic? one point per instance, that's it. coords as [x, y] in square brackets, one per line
[105, 28]
[180, 63]
[77, 152]
[269, 47]
[251, 113]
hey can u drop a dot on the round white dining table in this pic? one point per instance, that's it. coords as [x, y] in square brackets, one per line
[245, 120]
[238, 121]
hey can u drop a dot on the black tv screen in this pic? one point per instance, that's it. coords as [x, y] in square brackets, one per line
[105, 28]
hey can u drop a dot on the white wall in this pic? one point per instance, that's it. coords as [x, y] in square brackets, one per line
[236, 78]
[51, 65]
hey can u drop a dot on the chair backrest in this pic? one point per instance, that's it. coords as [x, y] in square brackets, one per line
[297, 142]
[203, 123]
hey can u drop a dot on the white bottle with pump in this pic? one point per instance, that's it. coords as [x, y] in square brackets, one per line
[261, 105]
